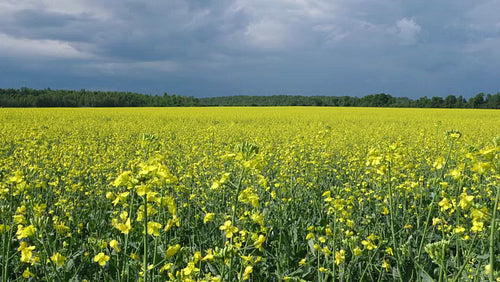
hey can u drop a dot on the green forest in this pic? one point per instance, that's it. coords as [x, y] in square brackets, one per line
[28, 97]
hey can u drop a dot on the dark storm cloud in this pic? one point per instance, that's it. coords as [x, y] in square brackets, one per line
[252, 47]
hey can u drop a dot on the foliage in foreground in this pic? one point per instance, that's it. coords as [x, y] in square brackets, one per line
[249, 194]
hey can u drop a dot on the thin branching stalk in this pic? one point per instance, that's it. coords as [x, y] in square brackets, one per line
[492, 236]
[466, 260]
[393, 233]
[145, 239]
[6, 245]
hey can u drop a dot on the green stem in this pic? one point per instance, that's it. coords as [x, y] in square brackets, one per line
[154, 250]
[368, 265]
[6, 244]
[235, 206]
[317, 266]
[145, 239]
[492, 237]
[334, 246]
[124, 273]
[466, 260]
[123, 261]
[238, 188]
[426, 227]
[441, 264]
[7, 240]
[48, 252]
[443, 169]
[393, 233]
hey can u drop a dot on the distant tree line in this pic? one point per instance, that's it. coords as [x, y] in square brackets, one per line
[27, 97]
[489, 101]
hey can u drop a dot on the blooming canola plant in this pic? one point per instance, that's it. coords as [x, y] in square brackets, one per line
[257, 194]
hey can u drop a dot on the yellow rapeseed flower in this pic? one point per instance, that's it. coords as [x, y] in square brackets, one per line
[445, 204]
[389, 251]
[172, 250]
[357, 251]
[24, 232]
[385, 211]
[477, 226]
[386, 265]
[58, 259]
[339, 257]
[209, 256]
[166, 267]
[208, 217]
[142, 189]
[368, 245]
[154, 228]
[258, 243]
[459, 230]
[26, 251]
[229, 229]
[248, 271]
[190, 268]
[465, 200]
[114, 244]
[257, 218]
[101, 259]
[27, 273]
[124, 225]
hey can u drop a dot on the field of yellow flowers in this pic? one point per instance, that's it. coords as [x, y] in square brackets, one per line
[257, 194]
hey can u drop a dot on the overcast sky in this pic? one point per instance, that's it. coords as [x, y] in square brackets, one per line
[253, 47]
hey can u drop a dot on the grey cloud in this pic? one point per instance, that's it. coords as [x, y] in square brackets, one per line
[408, 30]
[255, 47]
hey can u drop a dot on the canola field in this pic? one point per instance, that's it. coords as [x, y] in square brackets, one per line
[249, 194]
